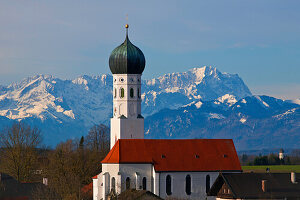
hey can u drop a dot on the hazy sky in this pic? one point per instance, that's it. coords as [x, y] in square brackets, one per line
[257, 39]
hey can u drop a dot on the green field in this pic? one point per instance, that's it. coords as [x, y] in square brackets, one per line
[273, 168]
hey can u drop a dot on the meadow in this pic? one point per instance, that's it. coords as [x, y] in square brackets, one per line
[273, 168]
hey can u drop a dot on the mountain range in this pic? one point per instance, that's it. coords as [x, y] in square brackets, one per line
[199, 103]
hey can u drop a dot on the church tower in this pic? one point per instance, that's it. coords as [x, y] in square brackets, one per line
[127, 63]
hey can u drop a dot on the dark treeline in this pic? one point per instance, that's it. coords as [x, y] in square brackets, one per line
[68, 167]
[272, 159]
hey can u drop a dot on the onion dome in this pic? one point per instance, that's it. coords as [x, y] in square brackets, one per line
[127, 58]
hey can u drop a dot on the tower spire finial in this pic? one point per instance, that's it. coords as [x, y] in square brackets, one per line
[126, 26]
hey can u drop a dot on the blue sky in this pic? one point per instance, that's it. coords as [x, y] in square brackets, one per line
[257, 39]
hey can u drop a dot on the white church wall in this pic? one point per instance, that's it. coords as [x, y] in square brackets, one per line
[155, 179]
[113, 171]
[178, 184]
[96, 189]
[105, 184]
[121, 171]
[130, 170]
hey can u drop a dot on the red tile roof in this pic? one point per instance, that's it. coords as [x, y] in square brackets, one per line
[88, 189]
[95, 177]
[177, 155]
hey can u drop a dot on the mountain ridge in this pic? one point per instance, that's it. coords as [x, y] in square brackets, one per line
[64, 109]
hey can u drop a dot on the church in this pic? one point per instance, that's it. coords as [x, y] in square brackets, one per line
[181, 168]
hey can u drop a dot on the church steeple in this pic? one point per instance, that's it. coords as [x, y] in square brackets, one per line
[127, 63]
[127, 58]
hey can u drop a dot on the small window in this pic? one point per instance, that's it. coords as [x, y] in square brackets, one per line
[144, 183]
[138, 93]
[115, 95]
[131, 93]
[122, 93]
[168, 185]
[188, 184]
[127, 183]
[207, 183]
[113, 184]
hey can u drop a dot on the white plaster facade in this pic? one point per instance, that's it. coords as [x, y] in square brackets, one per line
[127, 121]
[155, 181]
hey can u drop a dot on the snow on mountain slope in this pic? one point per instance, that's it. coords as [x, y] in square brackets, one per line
[70, 107]
[89, 98]
[249, 122]
[296, 101]
[205, 83]
[47, 97]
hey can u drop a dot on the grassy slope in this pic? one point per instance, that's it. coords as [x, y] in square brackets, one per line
[273, 168]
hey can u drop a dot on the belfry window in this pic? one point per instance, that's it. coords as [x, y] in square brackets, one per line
[168, 185]
[138, 93]
[127, 183]
[131, 92]
[207, 183]
[122, 92]
[115, 95]
[188, 184]
[144, 183]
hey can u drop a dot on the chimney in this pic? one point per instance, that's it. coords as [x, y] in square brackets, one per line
[264, 185]
[293, 177]
[45, 181]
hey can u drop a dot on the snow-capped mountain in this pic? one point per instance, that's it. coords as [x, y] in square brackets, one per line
[68, 108]
[60, 108]
[46, 97]
[254, 122]
[178, 89]
[89, 99]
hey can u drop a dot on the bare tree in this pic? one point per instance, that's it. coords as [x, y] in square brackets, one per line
[18, 150]
[98, 138]
[72, 163]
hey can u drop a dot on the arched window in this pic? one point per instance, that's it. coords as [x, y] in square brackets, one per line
[131, 92]
[122, 92]
[144, 183]
[138, 93]
[168, 185]
[115, 95]
[127, 183]
[207, 183]
[113, 184]
[188, 184]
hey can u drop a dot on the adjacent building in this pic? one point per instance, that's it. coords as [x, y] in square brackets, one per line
[256, 186]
